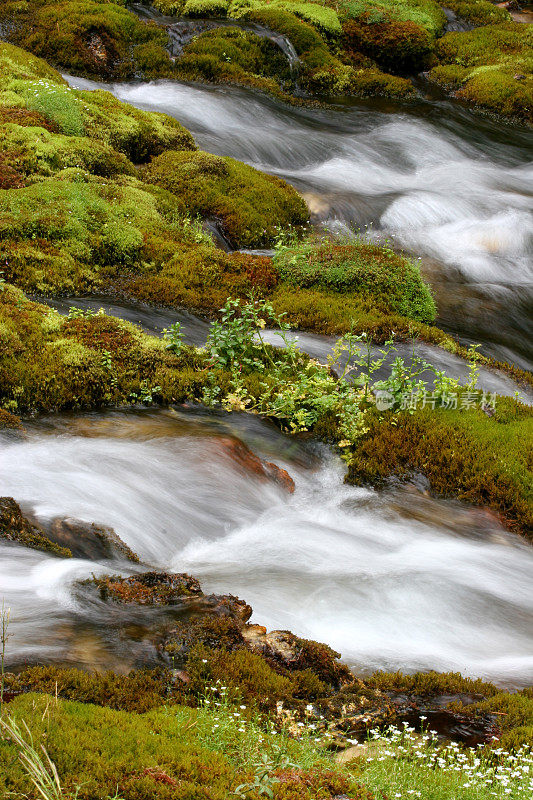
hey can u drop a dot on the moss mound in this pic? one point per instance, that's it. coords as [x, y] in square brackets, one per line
[491, 67]
[252, 206]
[479, 12]
[464, 453]
[397, 46]
[232, 55]
[49, 362]
[392, 281]
[95, 38]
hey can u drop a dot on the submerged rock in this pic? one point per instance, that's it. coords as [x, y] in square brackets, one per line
[88, 540]
[15, 527]
[249, 463]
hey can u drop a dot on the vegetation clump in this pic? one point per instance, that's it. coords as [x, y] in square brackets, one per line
[94, 38]
[371, 271]
[457, 451]
[490, 67]
[251, 205]
[15, 527]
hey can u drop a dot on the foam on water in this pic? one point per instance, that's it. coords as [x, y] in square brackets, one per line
[394, 580]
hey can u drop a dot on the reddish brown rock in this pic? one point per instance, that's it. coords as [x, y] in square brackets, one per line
[250, 464]
[15, 527]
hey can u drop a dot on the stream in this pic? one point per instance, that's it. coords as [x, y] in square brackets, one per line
[393, 579]
[450, 186]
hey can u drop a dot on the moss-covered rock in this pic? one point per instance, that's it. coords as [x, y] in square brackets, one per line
[464, 453]
[96, 38]
[48, 362]
[479, 12]
[15, 527]
[392, 281]
[252, 206]
[490, 67]
[397, 46]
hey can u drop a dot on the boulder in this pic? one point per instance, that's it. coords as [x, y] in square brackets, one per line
[147, 588]
[88, 540]
[250, 464]
[15, 527]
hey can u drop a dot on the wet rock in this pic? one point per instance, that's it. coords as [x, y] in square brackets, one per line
[15, 527]
[279, 476]
[285, 649]
[87, 540]
[250, 463]
[147, 588]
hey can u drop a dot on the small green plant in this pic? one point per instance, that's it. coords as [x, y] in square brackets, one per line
[40, 769]
[173, 337]
[4, 636]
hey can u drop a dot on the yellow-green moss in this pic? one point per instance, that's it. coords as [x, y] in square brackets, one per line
[464, 453]
[252, 206]
[491, 67]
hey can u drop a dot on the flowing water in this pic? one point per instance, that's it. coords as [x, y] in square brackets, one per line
[394, 579]
[454, 188]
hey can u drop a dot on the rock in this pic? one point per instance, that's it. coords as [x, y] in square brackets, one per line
[147, 588]
[519, 77]
[280, 476]
[250, 463]
[15, 527]
[88, 540]
[285, 649]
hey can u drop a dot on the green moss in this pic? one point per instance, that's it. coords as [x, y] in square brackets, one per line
[96, 38]
[322, 17]
[463, 453]
[430, 683]
[251, 205]
[85, 362]
[396, 45]
[479, 12]
[490, 67]
[424, 13]
[205, 8]
[231, 55]
[392, 282]
[31, 84]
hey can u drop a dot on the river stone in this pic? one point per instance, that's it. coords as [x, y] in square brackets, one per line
[249, 463]
[15, 527]
[147, 588]
[88, 540]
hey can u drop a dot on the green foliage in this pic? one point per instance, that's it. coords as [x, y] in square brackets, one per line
[322, 17]
[392, 281]
[491, 67]
[250, 204]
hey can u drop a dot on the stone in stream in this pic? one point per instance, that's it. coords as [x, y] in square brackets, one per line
[15, 527]
[88, 540]
[249, 463]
